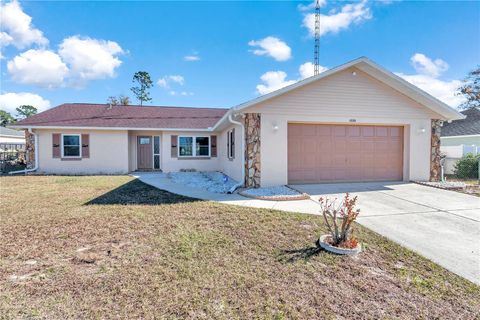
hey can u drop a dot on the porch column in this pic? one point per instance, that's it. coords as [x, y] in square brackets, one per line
[435, 167]
[252, 150]
[29, 150]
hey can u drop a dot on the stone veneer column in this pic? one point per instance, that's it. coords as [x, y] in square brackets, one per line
[252, 150]
[30, 149]
[435, 167]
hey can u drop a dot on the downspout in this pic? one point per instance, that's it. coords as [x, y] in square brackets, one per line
[232, 189]
[36, 155]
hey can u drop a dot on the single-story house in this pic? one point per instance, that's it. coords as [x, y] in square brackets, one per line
[11, 139]
[355, 122]
[460, 137]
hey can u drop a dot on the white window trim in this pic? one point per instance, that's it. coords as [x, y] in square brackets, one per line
[79, 141]
[230, 150]
[194, 149]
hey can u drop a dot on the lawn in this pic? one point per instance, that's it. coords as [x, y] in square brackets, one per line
[113, 247]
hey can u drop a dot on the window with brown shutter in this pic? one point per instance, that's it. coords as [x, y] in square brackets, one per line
[56, 152]
[85, 146]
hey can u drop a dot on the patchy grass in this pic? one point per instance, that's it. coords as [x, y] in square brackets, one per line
[113, 247]
[472, 185]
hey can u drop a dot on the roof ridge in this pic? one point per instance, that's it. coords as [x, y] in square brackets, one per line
[142, 106]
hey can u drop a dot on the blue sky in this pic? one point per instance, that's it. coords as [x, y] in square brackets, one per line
[219, 54]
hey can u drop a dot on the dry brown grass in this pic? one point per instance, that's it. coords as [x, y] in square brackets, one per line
[112, 247]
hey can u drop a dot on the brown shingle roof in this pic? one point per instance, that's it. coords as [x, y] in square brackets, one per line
[101, 115]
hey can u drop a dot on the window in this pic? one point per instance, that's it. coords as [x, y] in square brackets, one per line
[71, 146]
[193, 146]
[231, 144]
[145, 140]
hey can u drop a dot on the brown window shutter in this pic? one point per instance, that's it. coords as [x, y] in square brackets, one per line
[85, 146]
[173, 147]
[213, 146]
[56, 145]
[233, 143]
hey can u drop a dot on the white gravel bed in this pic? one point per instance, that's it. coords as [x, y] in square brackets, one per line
[278, 191]
[216, 182]
[444, 184]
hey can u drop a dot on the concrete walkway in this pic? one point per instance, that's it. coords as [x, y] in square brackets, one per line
[443, 226]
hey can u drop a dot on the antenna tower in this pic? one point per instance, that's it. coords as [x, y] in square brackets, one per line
[316, 58]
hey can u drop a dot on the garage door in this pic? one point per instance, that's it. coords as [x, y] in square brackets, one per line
[323, 153]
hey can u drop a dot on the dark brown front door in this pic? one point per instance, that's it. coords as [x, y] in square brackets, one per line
[144, 152]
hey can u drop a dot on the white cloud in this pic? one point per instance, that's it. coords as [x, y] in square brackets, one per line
[191, 58]
[311, 6]
[167, 80]
[11, 100]
[90, 59]
[306, 70]
[42, 68]
[427, 79]
[273, 47]
[17, 28]
[274, 80]
[425, 65]
[336, 21]
[442, 90]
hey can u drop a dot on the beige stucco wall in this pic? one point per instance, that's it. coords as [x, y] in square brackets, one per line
[343, 98]
[231, 167]
[108, 153]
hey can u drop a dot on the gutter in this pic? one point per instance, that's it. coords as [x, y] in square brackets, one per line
[232, 189]
[36, 155]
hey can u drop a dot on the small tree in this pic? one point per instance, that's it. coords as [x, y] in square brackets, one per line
[25, 111]
[121, 100]
[471, 89]
[6, 118]
[339, 219]
[144, 83]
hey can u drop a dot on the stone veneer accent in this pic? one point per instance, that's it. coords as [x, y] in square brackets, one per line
[252, 150]
[435, 167]
[29, 149]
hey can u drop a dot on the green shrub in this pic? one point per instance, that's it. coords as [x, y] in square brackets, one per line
[467, 167]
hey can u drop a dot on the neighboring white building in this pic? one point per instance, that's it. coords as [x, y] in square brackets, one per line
[460, 137]
[10, 138]
[355, 122]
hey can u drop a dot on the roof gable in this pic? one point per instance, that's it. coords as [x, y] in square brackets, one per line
[378, 73]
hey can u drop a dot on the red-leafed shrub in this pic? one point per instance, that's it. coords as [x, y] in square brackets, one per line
[339, 218]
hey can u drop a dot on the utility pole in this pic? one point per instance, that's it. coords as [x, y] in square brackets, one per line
[316, 58]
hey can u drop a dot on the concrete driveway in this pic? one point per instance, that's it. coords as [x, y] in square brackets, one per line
[442, 225]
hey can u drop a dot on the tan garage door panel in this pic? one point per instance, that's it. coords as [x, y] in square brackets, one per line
[322, 153]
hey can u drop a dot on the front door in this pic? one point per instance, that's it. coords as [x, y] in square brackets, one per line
[144, 152]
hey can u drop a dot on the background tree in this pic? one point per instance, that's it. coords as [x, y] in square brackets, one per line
[6, 118]
[121, 100]
[471, 89]
[26, 111]
[144, 83]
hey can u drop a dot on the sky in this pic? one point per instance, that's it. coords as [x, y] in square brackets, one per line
[223, 53]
